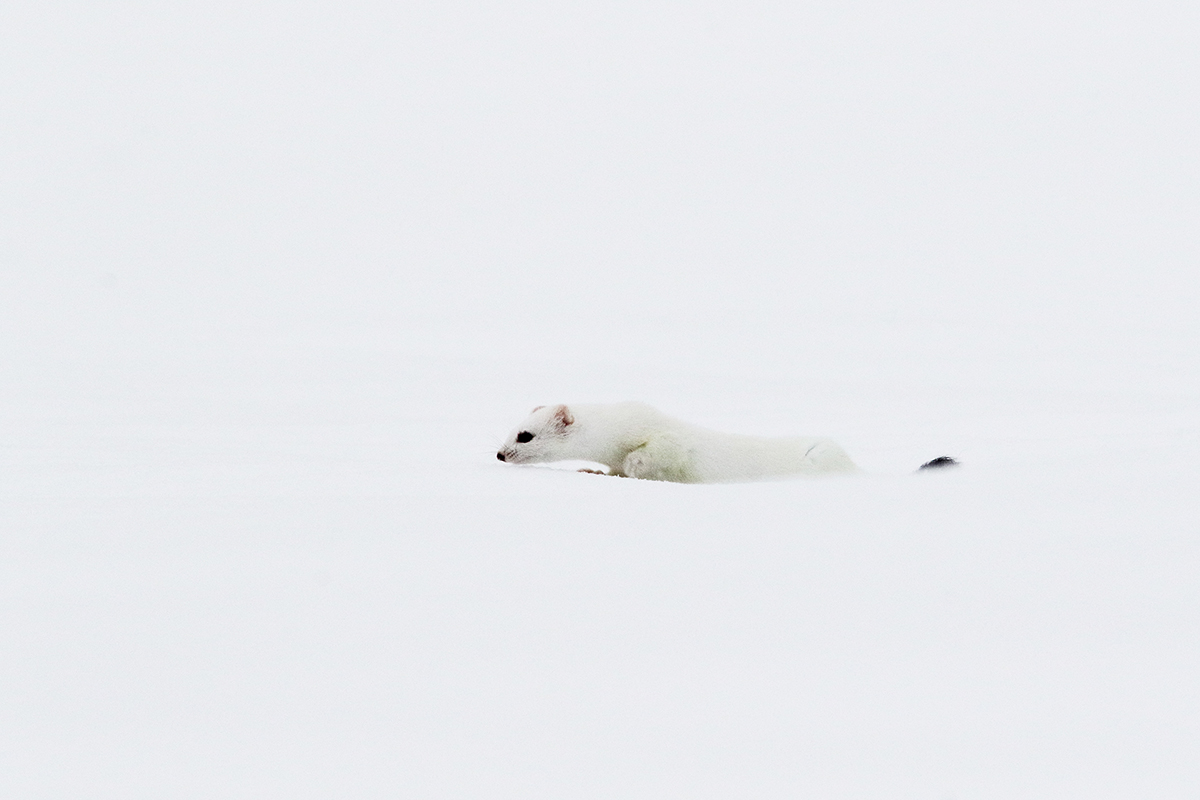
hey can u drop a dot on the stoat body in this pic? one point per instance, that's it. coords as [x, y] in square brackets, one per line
[637, 441]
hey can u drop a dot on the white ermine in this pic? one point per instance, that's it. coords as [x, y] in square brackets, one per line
[637, 441]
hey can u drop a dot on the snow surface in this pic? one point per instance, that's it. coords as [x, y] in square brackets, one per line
[275, 279]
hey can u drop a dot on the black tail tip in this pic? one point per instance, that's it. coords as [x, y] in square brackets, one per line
[941, 462]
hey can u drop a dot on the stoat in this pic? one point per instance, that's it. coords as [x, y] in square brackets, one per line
[636, 441]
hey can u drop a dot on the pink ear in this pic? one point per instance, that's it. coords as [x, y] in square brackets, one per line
[539, 408]
[562, 416]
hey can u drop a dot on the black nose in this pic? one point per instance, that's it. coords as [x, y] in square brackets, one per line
[501, 456]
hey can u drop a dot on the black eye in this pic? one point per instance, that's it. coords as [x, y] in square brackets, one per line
[524, 436]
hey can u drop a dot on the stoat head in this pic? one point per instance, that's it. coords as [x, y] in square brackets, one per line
[544, 436]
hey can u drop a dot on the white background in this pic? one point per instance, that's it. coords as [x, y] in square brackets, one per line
[276, 280]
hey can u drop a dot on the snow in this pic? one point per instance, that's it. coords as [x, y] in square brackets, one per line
[276, 280]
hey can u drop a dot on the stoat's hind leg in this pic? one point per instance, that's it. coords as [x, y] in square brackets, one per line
[827, 457]
[661, 458]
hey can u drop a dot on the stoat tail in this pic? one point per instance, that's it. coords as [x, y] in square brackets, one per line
[941, 462]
